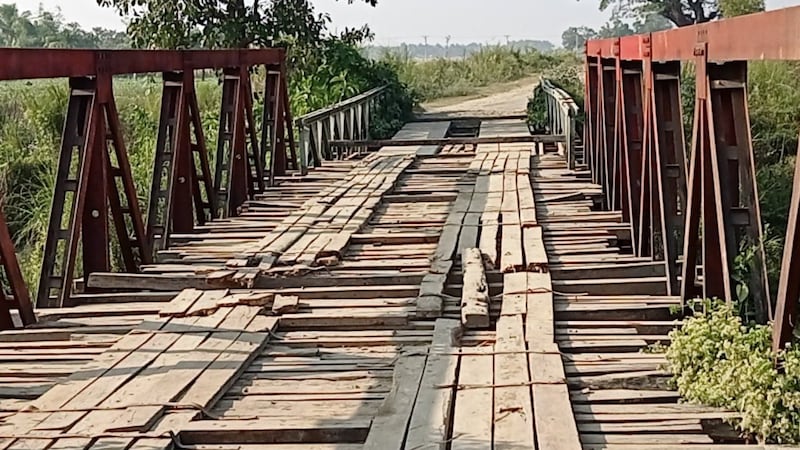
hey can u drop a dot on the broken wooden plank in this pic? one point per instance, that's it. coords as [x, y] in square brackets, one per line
[475, 291]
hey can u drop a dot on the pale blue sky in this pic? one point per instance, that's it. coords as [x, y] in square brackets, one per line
[395, 21]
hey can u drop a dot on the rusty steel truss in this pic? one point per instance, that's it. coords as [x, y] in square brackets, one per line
[701, 214]
[95, 186]
[13, 292]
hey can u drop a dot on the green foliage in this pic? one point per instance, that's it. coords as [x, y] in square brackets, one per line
[537, 112]
[574, 38]
[48, 29]
[679, 12]
[221, 24]
[718, 361]
[453, 77]
[774, 99]
[731, 8]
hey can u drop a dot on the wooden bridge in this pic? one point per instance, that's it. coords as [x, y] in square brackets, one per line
[467, 285]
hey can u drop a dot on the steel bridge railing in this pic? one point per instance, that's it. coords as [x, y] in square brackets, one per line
[562, 112]
[698, 213]
[347, 120]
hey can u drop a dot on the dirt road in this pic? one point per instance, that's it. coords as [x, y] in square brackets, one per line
[504, 99]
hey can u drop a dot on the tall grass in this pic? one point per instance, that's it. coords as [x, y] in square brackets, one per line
[31, 120]
[32, 116]
[441, 77]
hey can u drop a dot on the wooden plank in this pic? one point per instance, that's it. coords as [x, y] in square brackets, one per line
[511, 258]
[242, 349]
[472, 419]
[430, 421]
[515, 292]
[533, 246]
[448, 141]
[107, 383]
[151, 444]
[555, 423]
[475, 291]
[275, 431]
[395, 413]
[181, 304]
[169, 375]
[513, 409]
[540, 318]
[285, 304]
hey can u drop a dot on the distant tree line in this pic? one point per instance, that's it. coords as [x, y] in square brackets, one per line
[574, 38]
[435, 51]
[49, 29]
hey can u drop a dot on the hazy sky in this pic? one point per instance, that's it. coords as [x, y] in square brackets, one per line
[395, 21]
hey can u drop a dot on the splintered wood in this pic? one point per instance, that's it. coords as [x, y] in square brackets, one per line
[323, 227]
[475, 291]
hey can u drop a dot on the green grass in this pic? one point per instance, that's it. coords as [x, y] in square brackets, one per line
[31, 120]
[32, 115]
[440, 78]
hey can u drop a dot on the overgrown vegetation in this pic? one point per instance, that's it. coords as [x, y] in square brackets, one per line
[566, 76]
[48, 29]
[718, 361]
[453, 77]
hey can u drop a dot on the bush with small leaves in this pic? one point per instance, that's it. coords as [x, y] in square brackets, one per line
[716, 360]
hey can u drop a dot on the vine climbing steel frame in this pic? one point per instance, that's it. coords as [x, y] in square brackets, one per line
[94, 184]
[635, 149]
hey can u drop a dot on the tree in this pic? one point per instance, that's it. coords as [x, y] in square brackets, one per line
[221, 23]
[679, 12]
[732, 8]
[615, 28]
[48, 29]
[574, 38]
[651, 23]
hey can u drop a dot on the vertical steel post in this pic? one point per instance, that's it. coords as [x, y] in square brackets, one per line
[19, 297]
[670, 167]
[100, 186]
[722, 186]
[788, 301]
[633, 146]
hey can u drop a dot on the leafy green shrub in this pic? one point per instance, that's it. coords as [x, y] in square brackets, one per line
[568, 76]
[718, 361]
[537, 111]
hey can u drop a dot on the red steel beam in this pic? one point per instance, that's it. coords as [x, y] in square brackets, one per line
[772, 35]
[24, 64]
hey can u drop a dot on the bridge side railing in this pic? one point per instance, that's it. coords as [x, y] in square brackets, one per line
[349, 119]
[95, 189]
[636, 152]
[562, 112]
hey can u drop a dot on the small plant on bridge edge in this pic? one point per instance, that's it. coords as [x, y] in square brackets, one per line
[718, 361]
[537, 112]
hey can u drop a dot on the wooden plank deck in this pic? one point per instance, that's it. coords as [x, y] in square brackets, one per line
[328, 315]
